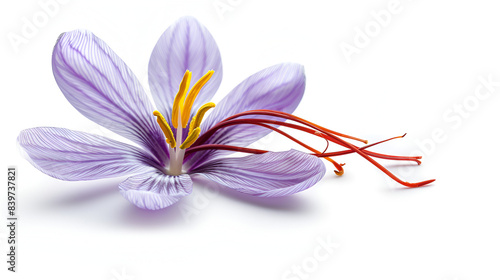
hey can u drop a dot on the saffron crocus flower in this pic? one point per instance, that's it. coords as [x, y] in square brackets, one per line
[173, 142]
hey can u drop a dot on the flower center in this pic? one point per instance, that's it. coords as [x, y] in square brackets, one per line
[181, 111]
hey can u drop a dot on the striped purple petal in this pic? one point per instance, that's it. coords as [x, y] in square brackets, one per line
[101, 87]
[75, 156]
[266, 175]
[186, 45]
[279, 87]
[155, 190]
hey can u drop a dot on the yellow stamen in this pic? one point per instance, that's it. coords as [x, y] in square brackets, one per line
[179, 98]
[166, 129]
[192, 136]
[196, 121]
[188, 104]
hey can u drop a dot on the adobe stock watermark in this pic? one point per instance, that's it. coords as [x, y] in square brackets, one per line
[225, 6]
[102, 129]
[31, 25]
[453, 117]
[324, 250]
[364, 35]
[194, 204]
[265, 142]
[121, 275]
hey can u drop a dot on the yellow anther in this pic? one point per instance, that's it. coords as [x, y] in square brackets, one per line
[196, 121]
[192, 136]
[166, 129]
[188, 104]
[179, 98]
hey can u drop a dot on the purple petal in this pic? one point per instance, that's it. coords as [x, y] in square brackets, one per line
[267, 175]
[99, 85]
[155, 190]
[75, 156]
[186, 45]
[278, 87]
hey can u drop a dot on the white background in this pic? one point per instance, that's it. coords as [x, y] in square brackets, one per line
[423, 65]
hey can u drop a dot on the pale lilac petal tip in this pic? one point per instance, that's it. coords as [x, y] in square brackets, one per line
[267, 175]
[155, 190]
[75, 156]
[279, 87]
[186, 45]
[101, 87]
